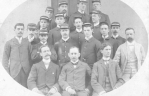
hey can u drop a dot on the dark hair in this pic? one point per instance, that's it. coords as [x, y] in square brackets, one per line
[18, 24]
[129, 29]
[105, 45]
[43, 47]
[103, 23]
[73, 47]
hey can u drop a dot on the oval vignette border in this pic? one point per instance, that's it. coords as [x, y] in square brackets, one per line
[142, 13]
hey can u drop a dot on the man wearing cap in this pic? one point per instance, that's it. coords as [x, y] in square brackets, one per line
[130, 55]
[43, 36]
[63, 8]
[104, 29]
[78, 34]
[81, 11]
[51, 23]
[43, 78]
[96, 21]
[97, 6]
[54, 34]
[16, 56]
[63, 45]
[117, 39]
[72, 77]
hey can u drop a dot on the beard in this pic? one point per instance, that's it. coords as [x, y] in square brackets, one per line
[129, 39]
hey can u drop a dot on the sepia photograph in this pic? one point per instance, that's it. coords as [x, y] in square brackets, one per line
[74, 48]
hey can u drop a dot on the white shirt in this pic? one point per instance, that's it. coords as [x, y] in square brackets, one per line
[74, 63]
[131, 45]
[43, 43]
[19, 39]
[95, 24]
[82, 12]
[31, 39]
[115, 36]
[88, 38]
[46, 62]
[104, 37]
[106, 60]
[65, 39]
[79, 30]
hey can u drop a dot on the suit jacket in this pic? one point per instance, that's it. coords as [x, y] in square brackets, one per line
[54, 36]
[85, 18]
[41, 77]
[98, 75]
[16, 56]
[35, 54]
[121, 55]
[90, 51]
[69, 74]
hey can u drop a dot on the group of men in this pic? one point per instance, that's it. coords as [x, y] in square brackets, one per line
[77, 55]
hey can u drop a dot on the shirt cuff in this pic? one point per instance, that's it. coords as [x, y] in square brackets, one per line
[55, 88]
[102, 92]
[67, 88]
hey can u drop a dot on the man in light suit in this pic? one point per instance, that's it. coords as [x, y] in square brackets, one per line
[44, 75]
[16, 56]
[106, 74]
[130, 55]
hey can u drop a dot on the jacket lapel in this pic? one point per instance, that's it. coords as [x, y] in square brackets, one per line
[125, 50]
[102, 64]
[15, 41]
[42, 65]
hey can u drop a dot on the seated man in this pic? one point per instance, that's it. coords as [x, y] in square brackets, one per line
[72, 77]
[44, 75]
[106, 74]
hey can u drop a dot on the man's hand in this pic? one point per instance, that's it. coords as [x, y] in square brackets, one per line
[52, 91]
[37, 91]
[87, 90]
[71, 91]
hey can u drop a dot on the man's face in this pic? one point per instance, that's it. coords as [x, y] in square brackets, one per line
[78, 23]
[45, 53]
[96, 6]
[82, 6]
[63, 8]
[19, 30]
[104, 30]
[65, 33]
[115, 30]
[95, 18]
[106, 51]
[43, 37]
[74, 54]
[43, 23]
[87, 31]
[49, 13]
[59, 20]
[130, 35]
[31, 32]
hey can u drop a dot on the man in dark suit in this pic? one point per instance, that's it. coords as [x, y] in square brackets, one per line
[49, 12]
[104, 29]
[117, 39]
[81, 11]
[106, 74]
[44, 75]
[97, 7]
[63, 8]
[72, 77]
[54, 34]
[63, 45]
[35, 55]
[16, 56]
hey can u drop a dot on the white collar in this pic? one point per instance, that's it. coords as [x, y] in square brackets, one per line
[131, 43]
[44, 43]
[82, 12]
[96, 24]
[105, 36]
[46, 62]
[65, 39]
[88, 38]
[115, 36]
[30, 39]
[58, 26]
[79, 30]
[19, 39]
[106, 59]
[75, 61]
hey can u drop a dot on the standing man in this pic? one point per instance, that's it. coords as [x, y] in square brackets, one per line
[78, 34]
[97, 6]
[43, 78]
[130, 55]
[104, 29]
[106, 74]
[54, 34]
[16, 56]
[117, 39]
[81, 11]
[72, 77]
[63, 8]
[36, 57]
[96, 24]
[90, 47]
[49, 12]
[63, 45]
